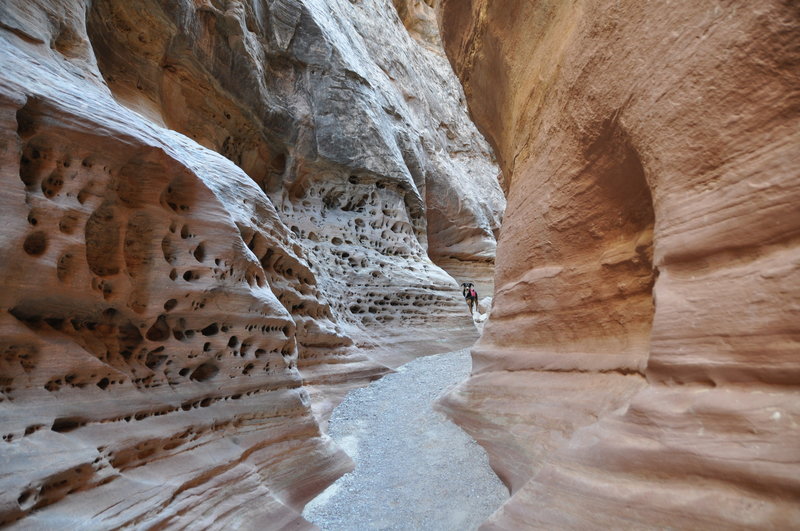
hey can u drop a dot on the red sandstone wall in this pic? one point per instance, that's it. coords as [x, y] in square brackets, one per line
[640, 367]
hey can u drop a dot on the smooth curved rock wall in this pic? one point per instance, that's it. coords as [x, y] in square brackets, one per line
[640, 365]
[217, 218]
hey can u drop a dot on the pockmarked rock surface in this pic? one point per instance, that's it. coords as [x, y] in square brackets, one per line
[641, 364]
[216, 217]
[414, 468]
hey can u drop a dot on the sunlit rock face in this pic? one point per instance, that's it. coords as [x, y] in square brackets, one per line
[640, 365]
[217, 217]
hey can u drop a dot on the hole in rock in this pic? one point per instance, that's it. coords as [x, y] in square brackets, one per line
[204, 371]
[24, 497]
[168, 250]
[210, 330]
[159, 331]
[155, 359]
[35, 244]
[52, 185]
[54, 322]
[66, 424]
[67, 42]
[278, 164]
[26, 117]
[200, 253]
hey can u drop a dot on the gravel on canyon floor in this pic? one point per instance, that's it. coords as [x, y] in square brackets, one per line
[414, 468]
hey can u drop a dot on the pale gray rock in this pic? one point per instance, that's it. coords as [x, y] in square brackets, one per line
[217, 218]
[484, 305]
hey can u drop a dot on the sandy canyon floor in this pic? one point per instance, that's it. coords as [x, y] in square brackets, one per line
[414, 468]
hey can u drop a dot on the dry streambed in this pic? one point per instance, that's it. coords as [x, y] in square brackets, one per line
[414, 468]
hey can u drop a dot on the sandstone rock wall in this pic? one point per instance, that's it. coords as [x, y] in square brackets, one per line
[640, 366]
[216, 217]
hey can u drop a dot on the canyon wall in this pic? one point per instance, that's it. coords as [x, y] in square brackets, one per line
[217, 217]
[640, 367]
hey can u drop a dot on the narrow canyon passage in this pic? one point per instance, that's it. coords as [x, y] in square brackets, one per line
[414, 468]
[220, 217]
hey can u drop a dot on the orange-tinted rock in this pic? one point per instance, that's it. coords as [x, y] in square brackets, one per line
[419, 18]
[215, 221]
[146, 355]
[645, 313]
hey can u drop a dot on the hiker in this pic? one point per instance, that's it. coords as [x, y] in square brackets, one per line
[470, 295]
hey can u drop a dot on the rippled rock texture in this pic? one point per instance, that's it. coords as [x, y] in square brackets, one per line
[640, 367]
[216, 215]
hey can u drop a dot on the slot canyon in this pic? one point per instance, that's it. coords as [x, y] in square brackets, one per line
[224, 218]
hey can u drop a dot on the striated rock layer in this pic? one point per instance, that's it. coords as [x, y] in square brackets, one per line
[216, 217]
[640, 367]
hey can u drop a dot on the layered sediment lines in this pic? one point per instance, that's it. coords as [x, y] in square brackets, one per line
[213, 214]
[640, 366]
